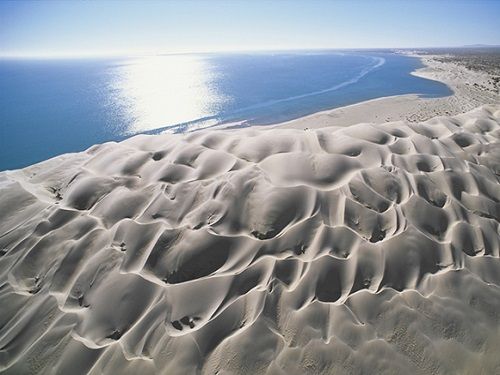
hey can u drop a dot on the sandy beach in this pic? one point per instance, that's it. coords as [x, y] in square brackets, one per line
[470, 90]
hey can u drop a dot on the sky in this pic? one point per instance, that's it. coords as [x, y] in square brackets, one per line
[81, 28]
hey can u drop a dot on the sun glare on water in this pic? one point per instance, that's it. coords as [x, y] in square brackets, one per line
[161, 91]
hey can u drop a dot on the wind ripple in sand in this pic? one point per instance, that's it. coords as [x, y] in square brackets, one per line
[368, 249]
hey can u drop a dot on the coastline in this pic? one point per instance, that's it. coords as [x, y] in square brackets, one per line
[471, 89]
[211, 241]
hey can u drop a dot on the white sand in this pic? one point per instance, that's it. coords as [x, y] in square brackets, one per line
[370, 249]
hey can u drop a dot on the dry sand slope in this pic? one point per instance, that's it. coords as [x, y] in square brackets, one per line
[362, 250]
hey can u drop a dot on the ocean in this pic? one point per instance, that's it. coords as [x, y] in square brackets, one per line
[51, 107]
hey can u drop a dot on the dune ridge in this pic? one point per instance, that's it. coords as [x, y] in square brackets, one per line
[367, 249]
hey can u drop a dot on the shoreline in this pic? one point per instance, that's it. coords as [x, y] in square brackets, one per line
[471, 89]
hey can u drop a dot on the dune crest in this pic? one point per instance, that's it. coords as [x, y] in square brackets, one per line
[367, 249]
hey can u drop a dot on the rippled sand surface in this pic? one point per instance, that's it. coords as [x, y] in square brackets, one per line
[359, 250]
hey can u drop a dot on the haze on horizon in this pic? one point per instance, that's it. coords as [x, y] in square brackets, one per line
[77, 28]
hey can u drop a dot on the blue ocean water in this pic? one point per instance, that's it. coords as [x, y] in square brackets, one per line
[50, 107]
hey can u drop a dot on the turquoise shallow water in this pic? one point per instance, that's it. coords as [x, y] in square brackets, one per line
[50, 107]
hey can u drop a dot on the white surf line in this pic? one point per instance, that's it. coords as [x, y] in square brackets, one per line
[206, 122]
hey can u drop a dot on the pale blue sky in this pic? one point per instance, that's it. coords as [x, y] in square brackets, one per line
[92, 27]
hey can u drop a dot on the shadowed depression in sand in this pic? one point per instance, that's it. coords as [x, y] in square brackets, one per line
[366, 249]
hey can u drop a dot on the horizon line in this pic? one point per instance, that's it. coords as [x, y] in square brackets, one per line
[130, 54]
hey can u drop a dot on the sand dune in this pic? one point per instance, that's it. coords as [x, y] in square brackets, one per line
[360, 250]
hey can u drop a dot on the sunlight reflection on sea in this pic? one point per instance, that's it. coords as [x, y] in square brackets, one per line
[157, 91]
